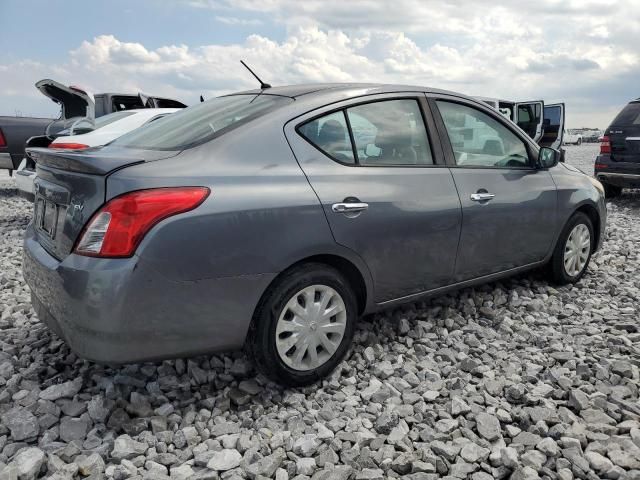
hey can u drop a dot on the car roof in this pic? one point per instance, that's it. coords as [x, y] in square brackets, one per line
[320, 89]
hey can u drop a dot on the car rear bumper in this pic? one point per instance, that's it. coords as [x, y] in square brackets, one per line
[6, 161]
[122, 310]
[624, 180]
[619, 174]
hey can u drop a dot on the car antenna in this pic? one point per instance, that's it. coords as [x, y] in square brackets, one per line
[263, 85]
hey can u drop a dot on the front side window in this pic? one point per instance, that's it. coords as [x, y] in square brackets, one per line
[200, 123]
[479, 140]
[384, 133]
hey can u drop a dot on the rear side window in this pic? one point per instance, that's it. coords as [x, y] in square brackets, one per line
[390, 133]
[630, 115]
[384, 133]
[202, 122]
[331, 135]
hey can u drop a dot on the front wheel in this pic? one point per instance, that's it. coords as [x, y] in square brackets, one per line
[579, 142]
[303, 326]
[573, 251]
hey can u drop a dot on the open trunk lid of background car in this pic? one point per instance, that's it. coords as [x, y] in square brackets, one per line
[70, 186]
[624, 134]
[74, 101]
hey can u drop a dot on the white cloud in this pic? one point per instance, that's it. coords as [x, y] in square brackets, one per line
[581, 52]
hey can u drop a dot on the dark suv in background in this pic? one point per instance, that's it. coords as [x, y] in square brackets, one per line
[618, 165]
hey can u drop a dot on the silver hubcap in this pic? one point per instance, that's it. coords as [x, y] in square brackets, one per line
[577, 249]
[310, 327]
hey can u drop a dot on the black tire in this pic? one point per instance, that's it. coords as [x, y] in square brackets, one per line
[261, 339]
[579, 142]
[611, 191]
[557, 269]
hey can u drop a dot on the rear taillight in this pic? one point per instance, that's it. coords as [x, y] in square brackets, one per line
[600, 166]
[68, 146]
[605, 145]
[117, 229]
[3, 142]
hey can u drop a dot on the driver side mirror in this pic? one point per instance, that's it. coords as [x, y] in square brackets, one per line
[548, 157]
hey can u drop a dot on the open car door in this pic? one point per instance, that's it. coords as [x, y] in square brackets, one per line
[553, 126]
[529, 117]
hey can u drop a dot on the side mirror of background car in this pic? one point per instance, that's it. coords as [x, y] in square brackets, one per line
[548, 157]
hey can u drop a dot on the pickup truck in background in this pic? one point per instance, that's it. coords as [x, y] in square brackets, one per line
[572, 137]
[75, 104]
[14, 132]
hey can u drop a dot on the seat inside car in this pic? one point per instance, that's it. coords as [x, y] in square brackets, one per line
[493, 147]
[332, 136]
[395, 147]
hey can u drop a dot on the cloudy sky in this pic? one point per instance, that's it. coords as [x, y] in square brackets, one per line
[582, 52]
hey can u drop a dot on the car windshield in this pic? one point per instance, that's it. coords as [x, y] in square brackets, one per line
[200, 123]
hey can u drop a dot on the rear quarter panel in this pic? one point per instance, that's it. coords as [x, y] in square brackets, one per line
[261, 216]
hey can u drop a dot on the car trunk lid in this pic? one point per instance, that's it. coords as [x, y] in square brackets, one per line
[70, 186]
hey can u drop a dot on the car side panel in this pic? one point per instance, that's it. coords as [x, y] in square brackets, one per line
[513, 229]
[408, 236]
[575, 190]
[261, 217]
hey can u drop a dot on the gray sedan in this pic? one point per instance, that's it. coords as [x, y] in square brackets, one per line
[273, 219]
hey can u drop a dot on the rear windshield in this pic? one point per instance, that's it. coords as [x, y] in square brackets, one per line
[630, 115]
[200, 123]
[84, 126]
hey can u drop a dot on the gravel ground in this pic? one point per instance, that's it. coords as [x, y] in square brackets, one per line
[515, 379]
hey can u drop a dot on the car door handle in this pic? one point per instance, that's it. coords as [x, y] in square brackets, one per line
[481, 197]
[349, 207]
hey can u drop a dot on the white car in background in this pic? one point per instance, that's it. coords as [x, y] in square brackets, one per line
[85, 133]
[573, 137]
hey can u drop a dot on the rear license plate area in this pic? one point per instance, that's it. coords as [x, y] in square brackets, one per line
[46, 216]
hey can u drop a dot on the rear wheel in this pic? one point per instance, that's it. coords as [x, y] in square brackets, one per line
[303, 326]
[579, 142]
[573, 251]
